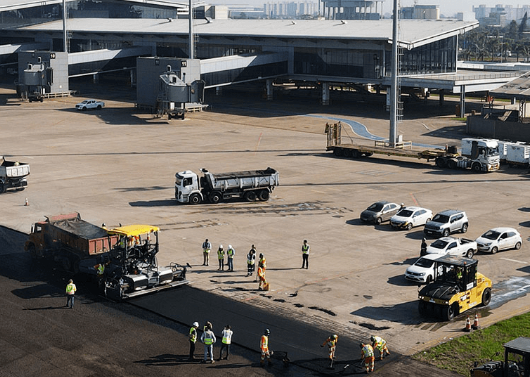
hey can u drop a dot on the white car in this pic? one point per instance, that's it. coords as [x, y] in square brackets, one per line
[90, 104]
[423, 270]
[453, 246]
[499, 239]
[409, 217]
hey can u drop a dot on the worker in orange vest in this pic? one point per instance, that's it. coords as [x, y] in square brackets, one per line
[331, 342]
[264, 346]
[367, 354]
[261, 277]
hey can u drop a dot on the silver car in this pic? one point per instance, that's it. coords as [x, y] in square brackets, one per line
[379, 212]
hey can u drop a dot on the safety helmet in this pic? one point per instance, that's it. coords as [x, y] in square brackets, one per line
[267, 332]
[220, 246]
[372, 338]
[195, 324]
[334, 336]
[261, 255]
[229, 246]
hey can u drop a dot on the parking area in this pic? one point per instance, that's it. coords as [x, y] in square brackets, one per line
[115, 166]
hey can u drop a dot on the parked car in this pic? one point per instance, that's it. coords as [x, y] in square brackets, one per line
[409, 217]
[90, 104]
[447, 222]
[424, 270]
[453, 246]
[499, 239]
[379, 212]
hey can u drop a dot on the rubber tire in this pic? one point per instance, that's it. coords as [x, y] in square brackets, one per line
[99, 107]
[464, 228]
[355, 153]
[470, 253]
[448, 313]
[428, 280]
[250, 196]
[338, 152]
[32, 250]
[451, 164]
[486, 297]
[264, 195]
[445, 233]
[215, 197]
[476, 167]
[494, 250]
[195, 199]
[378, 221]
[517, 246]
[440, 162]
[84, 108]
[409, 226]
[2, 188]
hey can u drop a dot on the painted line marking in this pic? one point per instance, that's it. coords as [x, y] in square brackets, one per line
[414, 199]
[513, 260]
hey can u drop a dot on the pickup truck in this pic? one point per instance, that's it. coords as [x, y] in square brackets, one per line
[453, 246]
[90, 104]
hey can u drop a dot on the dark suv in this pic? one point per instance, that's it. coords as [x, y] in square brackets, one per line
[447, 222]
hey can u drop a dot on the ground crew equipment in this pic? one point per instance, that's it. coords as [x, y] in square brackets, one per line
[475, 322]
[264, 346]
[367, 354]
[467, 328]
[379, 344]
[516, 361]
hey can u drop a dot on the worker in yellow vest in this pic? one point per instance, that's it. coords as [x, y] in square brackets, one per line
[70, 294]
[226, 341]
[221, 257]
[193, 339]
[331, 342]
[379, 344]
[367, 354]
[264, 346]
[206, 247]
[208, 338]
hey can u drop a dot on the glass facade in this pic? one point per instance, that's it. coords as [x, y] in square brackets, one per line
[436, 57]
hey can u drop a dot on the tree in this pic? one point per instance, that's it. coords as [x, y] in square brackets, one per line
[522, 26]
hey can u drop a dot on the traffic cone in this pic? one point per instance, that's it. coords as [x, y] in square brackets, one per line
[475, 322]
[26, 203]
[468, 325]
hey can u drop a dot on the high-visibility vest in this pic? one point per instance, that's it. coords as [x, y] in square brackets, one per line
[261, 272]
[101, 269]
[193, 335]
[264, 344]
[70, 289]
[220, 254]
[208, 339]
[230, 253]
[378, 341]
[251, 259]
[305, 249]
[263, 262]
[367, 351]
[227, 336]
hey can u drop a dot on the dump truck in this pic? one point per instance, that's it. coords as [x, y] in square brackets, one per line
[251, 185]
[122, 260]
[459, 288]
[13, 175]
[516, 361]
[483, 157]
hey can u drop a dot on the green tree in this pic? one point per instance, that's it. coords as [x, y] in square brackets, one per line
[522, 26]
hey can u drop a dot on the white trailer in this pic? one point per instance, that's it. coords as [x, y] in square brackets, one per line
[251, 185]
[518, 154]
[13, 175]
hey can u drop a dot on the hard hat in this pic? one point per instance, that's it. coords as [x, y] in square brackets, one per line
[229, 246]
[195, 324]
[261, 255]
[267, 332]
[334, 336]
[220, 246]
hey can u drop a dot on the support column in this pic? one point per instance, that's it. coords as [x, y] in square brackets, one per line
[95, 78]
[462, 101]
[513, 100]
[325, 94]
[268, 85]
[442, 98]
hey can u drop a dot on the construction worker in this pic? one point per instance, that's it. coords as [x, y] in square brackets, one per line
[331, 342]
[264, 346]
[305, 254]
[261, 276]
[367, 354]
[262, 262]
[208, 338]
[193, 339]
[230, 257]
[251, 261]
[70, 294]
[221, 257]
[206, 247]
[227, 340]
[379, 344]
[423, 249]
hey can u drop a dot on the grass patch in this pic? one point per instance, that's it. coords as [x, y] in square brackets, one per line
[464, 119]
[458, 355]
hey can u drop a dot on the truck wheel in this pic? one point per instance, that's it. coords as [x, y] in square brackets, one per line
[99, 107]
[451, 164]
[440, 162]
[32, 250]
[486, 297]
[470, 253]
[84, 108]
[445, 232]
[2, 188]
[250, 196]
[409, 226]
[195, 199]
[355, 153]
[264, 195]
[448, 312]
[215, 197]
[517, 246]
[464, 228]
[429, 279]
[476, 167]
[494, 249]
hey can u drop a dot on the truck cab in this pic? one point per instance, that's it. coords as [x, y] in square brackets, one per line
[484, 153]
[187, 187]
[516, 361]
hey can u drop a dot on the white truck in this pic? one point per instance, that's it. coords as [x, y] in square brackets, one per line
[476, 154]
[13, 175]
[453, 246]
[251, 185]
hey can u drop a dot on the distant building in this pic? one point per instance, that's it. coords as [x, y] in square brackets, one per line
[500, 15]
[421, 12]
[352, 9]
[290, 9]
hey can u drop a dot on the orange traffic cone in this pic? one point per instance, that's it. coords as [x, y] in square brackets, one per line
[475, 322]
[26, 202]
[468, 325]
